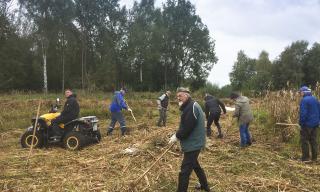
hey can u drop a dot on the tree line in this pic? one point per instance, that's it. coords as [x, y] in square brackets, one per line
[296, 65]
[98, 44]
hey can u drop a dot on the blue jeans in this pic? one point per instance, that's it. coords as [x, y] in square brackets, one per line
[245, 138]
[117, 116]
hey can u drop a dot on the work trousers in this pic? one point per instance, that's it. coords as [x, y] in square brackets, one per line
[190, 163]
[117, 116]
[56, 129]
[162, 117]
[309, 136]
[213, 117]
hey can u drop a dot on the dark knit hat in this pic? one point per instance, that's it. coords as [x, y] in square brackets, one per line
[234, 95]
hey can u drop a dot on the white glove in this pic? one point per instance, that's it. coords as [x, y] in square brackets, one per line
[230, 108]
[173, 139]
[130, 109]
[159, 107]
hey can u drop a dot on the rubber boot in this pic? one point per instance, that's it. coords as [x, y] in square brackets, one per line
[109, 131]
[209, 132]
[200, 188]
[123, 131]
[57, 132]
[220, 135]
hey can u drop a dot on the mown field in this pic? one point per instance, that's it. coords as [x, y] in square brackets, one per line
[270, 164]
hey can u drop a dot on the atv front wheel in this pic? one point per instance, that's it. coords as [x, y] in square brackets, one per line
[26, 139]
[73, 141]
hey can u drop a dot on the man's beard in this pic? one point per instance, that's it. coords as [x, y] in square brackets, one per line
[180, 103]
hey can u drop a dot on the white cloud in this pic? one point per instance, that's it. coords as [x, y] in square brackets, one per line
[268, 18]
[227, 47]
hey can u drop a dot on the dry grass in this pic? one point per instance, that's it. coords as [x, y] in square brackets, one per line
[283, 107]
[103, 167]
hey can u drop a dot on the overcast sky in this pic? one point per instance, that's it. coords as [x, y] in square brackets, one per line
[253, 26]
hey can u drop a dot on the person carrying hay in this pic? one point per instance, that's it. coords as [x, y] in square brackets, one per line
[163, 102]
[192, 137]
[309, 123]
[118, 103]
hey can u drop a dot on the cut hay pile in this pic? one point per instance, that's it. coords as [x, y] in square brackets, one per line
[107, 166]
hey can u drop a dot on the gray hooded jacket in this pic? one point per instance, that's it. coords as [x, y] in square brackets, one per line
[243, 111]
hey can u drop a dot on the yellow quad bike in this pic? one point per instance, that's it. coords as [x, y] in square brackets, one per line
[77, 133]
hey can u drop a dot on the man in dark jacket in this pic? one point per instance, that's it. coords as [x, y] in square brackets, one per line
[309, 122]
[118, 103]
[163, 102]
[70, 112]
[192, 137]
[212, 110]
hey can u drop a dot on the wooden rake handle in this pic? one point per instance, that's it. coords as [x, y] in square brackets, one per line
[135, 182]
[34, 132]
[134, 118]
[288, 124]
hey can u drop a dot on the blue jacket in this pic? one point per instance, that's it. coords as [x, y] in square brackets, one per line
[309, 112]
[118, 102]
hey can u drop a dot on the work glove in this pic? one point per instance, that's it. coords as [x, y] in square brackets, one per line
[230, 108]
[130, 109]
[159, 107]
[173, 139]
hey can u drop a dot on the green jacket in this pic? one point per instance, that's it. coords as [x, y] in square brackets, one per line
[191, 131]
[243, 110]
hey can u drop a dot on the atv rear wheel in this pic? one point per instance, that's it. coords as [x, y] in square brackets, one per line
[26, 139]
[73, 141]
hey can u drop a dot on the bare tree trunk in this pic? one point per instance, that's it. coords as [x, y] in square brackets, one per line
[44, 57]
[62, 62]
[85, 72]
[63, 71]
[82, 66]
[84, 58]
[165, 76]
[141, 73]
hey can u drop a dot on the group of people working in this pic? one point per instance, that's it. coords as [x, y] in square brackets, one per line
[192, 130]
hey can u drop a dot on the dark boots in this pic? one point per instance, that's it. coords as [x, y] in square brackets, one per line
[199, 187]
[123, 132]
[56, 132]
[220, 135]
[209, 132]
[109, 131]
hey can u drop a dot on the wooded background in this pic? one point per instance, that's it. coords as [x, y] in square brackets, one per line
[97, 44]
